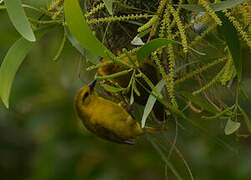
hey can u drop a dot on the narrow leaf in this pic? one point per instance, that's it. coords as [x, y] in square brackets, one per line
[112, 89]
[11, 63]
[2, 7]
[243, 93]
[214, 6]
[150, 103]
[108, 5]
[246, 119]
[48, 3]
[231, 127]
[142, 34]
[19, 19]
[92, 58]
[80, 30]
[230, 34]
[132, 97]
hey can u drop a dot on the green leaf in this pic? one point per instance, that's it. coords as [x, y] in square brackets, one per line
[150, 103]
[150, 47]
[231, 127]
[80, 30]
[48, 3]
[19, 19]
[243, 93]
[214, 6]
[11, 63]
[91, 57]
[112, 89]
[155, 44]
[245, 117]
[108, 5]
[2, 7]
[132, 97]
[142, 34]
[230, 34]
[26, 6]
[200, 102]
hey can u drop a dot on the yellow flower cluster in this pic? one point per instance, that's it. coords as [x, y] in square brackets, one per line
[171, 62]
[55, 4]
[180, 27]
[161, 6]
[209, 10]
[245, 9]
[95, 9]
[200, 70]
[119, 18]
[164, 23]
[238, 27]
[148, 24]
[208, 85]
[229, 71]
[58, 12]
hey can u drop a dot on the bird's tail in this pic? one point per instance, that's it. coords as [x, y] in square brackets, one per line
[153, 130]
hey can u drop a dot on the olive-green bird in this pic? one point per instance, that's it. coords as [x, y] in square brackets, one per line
[105, 118]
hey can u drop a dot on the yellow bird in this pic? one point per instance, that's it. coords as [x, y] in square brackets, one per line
[105, 118]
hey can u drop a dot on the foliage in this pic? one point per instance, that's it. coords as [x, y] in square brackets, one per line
[175, 33]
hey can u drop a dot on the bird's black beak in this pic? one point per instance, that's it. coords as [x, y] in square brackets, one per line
[100, 58]
[92, 85]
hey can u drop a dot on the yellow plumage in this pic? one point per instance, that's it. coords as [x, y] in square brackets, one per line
[105, 118]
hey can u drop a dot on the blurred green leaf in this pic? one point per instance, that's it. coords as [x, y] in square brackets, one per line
[214, 6]
[200, 102]
[231, 127]
[48, 3]
[112, 89]
[92, 58]
[26, 6]
[150, 103]
[245, 117]
[230, 34]
[132, 97]
[11, 63]
[108, 5]
[243, 93]
[150, 47]
[19, 19]
[80, 30]
[143, 33]
[155, 44]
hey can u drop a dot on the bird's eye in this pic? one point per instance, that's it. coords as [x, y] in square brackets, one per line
[85, 96]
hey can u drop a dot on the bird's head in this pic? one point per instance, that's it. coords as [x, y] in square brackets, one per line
[84, 97]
